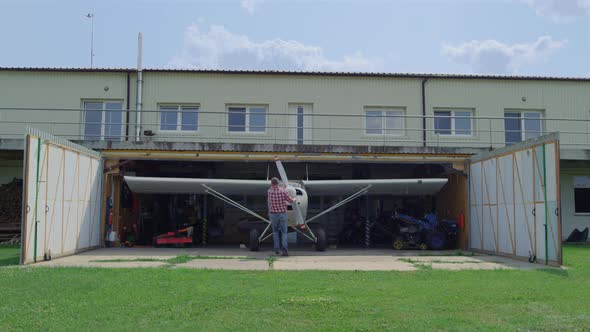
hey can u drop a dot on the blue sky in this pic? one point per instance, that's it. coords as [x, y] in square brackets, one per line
[522, 37]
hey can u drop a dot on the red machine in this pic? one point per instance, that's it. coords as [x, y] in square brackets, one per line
[182, 236]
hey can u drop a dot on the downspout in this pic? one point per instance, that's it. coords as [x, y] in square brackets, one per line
[138, 102]
[424, 111]
[128, 106]
[546, 207]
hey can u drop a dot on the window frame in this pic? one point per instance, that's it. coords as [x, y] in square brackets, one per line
[576, 185]
[247, 124]
[522, 120]
[103, 115]
[390, 132]
[179, 107]
[453, 119]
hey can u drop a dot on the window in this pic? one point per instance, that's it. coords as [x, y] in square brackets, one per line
[453, 122]
[103, 120]
[246, 119]
[179, 118]
[520, 126]
[384, 121]
[582, 194]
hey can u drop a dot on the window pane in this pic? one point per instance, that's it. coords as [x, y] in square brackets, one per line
[189, 119]
[92, 123]
[236, 119]
[374, 122]
[299, 125]
[532, 125]
[512, 128]
[257, 119]
[394, 123]
[442, 122]
[113, 120]
[113, 124]
[168, 118]
[581, 198]
[462, 123]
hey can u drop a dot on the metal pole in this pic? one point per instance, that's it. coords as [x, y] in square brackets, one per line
[138, 101]
[546, 206]
[36, 198]
[91, 17]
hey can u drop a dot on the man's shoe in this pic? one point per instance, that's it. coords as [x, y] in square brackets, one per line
[285, 253]
[276, 253]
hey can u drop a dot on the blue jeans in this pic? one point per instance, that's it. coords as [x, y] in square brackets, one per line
[279, 224]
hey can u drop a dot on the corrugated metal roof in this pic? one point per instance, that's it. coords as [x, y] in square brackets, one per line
[306, 73]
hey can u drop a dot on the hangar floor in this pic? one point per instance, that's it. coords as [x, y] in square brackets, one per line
[301, 259]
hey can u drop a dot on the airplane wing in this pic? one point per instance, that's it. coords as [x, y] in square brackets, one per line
[164, 185]
[402, 187]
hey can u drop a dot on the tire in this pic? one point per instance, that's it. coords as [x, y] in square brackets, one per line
[321, 240]
[398, 243]
[436, 241]
[253, 244]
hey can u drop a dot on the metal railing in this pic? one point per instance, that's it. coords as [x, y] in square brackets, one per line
[282, 128]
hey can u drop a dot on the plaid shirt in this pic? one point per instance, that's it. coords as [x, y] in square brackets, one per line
[278, 199]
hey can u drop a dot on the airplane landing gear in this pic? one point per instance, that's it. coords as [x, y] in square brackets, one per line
[253, 242]
[320, 240]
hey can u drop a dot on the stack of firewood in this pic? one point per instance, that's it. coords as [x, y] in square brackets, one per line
[11, 195]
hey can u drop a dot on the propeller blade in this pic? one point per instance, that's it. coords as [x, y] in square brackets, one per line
[296, 208]
[282, 172]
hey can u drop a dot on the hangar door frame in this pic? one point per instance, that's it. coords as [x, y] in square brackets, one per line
[61, 197]
[514, 201]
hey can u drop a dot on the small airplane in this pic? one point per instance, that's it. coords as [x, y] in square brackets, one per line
[297, 212]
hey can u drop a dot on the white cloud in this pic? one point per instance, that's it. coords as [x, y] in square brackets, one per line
[494, 57]
[560, 10]
[219, 48]
[250, 5]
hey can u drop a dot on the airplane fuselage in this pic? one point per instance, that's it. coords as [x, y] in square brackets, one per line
[298, 191]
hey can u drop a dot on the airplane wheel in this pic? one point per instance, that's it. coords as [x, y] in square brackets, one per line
[398, 243]
[321, 240]
[254, 244]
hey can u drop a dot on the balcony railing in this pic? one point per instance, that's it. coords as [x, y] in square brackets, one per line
[282, 128]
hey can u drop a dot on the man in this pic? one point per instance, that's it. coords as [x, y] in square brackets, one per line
[278, 200]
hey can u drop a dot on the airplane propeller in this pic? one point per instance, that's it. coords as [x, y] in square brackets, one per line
[296, 209]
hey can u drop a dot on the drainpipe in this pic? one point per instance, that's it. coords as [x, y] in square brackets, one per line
[127, 106]
[138, 102]
[424, 111]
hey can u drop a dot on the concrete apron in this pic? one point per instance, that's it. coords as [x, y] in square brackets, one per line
[299, 259]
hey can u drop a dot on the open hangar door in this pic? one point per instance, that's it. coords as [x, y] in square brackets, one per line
[514, 201]
[61, 198]
[217, 222]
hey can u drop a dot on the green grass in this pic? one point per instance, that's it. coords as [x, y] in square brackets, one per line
[9, 255]
[56, 299]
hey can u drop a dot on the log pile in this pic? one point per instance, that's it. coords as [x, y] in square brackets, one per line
[11, 195]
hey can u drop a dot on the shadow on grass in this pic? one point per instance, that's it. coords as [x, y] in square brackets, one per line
[557, 272]
[9, 261]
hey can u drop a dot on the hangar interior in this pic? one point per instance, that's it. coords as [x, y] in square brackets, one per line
[141, 218]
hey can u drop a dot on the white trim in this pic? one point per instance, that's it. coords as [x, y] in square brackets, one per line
[390, 132]
[247, 113]
[453, 118]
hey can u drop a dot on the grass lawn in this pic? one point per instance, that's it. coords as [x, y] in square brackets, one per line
[186, 299]
[9, 255]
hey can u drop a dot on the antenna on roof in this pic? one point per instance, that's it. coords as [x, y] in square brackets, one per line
[91, 17]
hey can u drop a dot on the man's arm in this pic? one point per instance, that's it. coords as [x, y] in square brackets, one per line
[288, 197]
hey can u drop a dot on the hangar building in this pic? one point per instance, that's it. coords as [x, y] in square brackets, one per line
[514, 150]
